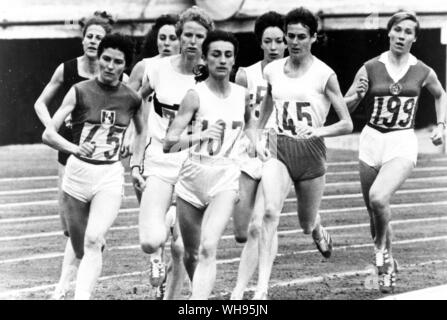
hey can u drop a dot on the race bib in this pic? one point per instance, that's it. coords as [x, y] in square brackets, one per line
[393, 112]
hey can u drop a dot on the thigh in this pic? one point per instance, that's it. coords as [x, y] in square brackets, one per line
[77, 215]
[104, 209]
[391, 176]
[190, 221]
[244, 207]
[276, 183]
[155, 202]
[309, 194]
[217, 215]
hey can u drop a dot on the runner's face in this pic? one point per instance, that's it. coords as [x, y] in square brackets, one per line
[92, 38]
[167, 41]
[273, 43]
[220, 59]
[111, 65]
[191, 39]
[402, 36]
[299, 40]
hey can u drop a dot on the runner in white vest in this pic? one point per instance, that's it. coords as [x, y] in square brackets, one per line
[300, 91]
[168, 81]
[208, 186]
[162, 37]
[247, 224]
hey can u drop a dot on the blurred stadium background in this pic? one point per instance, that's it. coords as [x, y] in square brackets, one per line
[37, 35]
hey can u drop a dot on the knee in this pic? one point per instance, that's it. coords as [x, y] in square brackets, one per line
[254, 229]
[240, 234]
[272, 213]
[241, 237]
[177, 248]
[94, 242]
[190, 256]
[378, 202]
[208, 249]
[152, 242]
[148, 247]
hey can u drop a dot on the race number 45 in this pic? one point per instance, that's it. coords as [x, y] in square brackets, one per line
[287, 121]
[107, 139]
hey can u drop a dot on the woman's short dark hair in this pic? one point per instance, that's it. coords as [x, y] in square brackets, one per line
[216, 35]
[118, 41]
[269, 19]
[149, 46]
[100, 18]
[401, 16]
[303, 16]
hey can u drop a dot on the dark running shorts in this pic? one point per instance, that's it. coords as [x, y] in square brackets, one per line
[65, 132]
[305, 159]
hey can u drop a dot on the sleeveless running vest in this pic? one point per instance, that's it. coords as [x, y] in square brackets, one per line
[229, 112]
[300, 99]
[101, 116]
[391, 105]
[169, 88]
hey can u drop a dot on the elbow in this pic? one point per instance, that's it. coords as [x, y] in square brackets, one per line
[170, 144]
[348, 126]
[46, 137]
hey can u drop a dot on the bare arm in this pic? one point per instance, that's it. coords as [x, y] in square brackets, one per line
[434, 86]
[140, 125]
[358, 89]
[241, 78]
[135, 82]
[136, 76]
[344, 124]
[266, 108]
[52, 138]
[41, 104]
[188, 107]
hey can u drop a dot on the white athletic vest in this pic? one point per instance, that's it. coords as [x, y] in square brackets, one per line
[169, 87]
[299, 99]
[257, 87]
[229, 111]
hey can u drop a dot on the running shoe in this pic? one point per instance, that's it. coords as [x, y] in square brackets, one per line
[387, 268]
[157, 272]
[324, 245]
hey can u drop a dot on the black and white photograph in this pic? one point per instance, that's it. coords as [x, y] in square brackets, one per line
[223, 150]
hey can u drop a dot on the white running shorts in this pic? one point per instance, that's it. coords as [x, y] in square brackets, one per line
[377, 148]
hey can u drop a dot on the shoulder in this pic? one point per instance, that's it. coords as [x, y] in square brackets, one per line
[274, 66]
[130, 92]
[85, 84]
[238, 88]
[424, 68]
[322, 66]
[373, 62]
[241, 76]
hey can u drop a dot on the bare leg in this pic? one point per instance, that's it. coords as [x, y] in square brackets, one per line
[176, 270]
[244, 207]
[309, 194]
[155, 202]
[104, 209]
[249, 256]
[276, 184]
[190, 221]
[215, 220]
[390, 177]
[69, 262]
